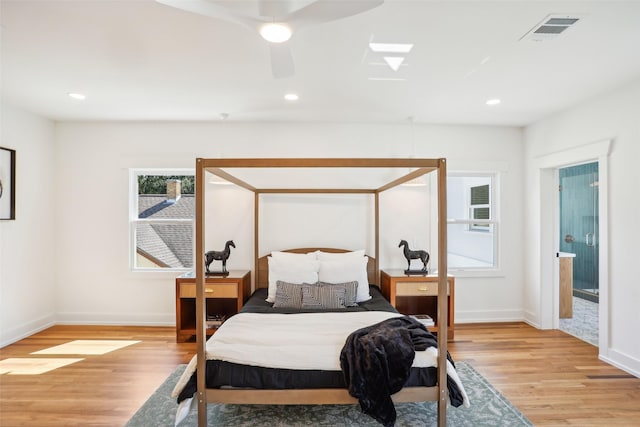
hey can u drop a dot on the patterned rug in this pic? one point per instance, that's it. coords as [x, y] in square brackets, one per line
[488, 408]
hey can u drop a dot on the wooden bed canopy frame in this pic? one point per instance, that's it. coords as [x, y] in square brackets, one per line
[219, 168]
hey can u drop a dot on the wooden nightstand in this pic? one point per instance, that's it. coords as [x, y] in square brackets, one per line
[418, 295]
[225, 296]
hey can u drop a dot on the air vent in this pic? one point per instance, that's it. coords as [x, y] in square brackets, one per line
[550, 27]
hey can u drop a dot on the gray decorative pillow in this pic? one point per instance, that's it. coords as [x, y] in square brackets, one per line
[288, 295]
[351, 292]
[323, 296]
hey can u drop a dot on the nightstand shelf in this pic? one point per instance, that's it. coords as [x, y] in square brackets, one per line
[418, 295]
[225, 295]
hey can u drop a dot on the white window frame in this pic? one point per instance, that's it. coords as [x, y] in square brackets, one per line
[134, 220]
[470, 224]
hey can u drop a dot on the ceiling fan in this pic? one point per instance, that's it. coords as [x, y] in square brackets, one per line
[276, 20]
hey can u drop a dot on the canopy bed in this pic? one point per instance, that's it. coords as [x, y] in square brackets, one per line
[407, 169]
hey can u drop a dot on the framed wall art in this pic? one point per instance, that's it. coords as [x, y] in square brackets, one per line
[7, 183]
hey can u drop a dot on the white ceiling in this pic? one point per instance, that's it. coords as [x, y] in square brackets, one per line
[141, 60]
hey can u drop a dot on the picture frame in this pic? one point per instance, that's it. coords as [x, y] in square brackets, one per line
[7, 184]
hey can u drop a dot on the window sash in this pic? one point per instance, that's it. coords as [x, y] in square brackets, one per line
[475, 198]
[135, 221]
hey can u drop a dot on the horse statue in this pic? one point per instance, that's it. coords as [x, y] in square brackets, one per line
[409, 255]
[219, 256]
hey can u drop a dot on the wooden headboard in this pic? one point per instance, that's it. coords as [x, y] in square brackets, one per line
[262, 275]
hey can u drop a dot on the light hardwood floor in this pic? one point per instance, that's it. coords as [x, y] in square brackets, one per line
[552, 377]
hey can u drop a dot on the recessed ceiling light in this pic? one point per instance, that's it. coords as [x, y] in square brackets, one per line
[391, 47]
[291, 97]
[78, 96]
[275, 33]
[494, 101]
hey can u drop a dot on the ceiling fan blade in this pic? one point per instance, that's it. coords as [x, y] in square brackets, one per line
[213, 9]
[321, 11]
[281, 60]
[277, 9]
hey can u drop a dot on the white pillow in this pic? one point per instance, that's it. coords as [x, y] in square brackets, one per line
[338, 256]
[297, 272]
[347, 270]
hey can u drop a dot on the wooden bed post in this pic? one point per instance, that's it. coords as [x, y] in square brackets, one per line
[442, 293]
[201, 302]
[256, 240]
[377, 237]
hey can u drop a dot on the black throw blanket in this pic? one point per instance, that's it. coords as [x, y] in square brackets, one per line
[376, 362]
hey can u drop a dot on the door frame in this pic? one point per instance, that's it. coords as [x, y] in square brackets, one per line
[548, 166]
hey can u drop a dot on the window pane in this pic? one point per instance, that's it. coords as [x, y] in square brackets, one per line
[471, 245]
[480, 213]
[157, 184]
[165, 206]
[480, 195]
[463, 192]
[469, 249]
[164, 245]
[164, 197]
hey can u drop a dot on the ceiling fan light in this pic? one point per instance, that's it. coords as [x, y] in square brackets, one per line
[275, 33]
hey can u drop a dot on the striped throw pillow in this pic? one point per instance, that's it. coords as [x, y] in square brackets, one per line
[321, 296]
[351, 292]
[288, 295]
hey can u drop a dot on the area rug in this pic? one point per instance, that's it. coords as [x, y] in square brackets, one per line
[488, 408]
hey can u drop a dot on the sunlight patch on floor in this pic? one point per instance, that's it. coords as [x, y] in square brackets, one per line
[95, 347]
[33, 366]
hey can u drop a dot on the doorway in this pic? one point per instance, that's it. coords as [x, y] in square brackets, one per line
[547, 167]
[579, 235]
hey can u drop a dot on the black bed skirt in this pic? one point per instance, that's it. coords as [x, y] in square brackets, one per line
[225, 374]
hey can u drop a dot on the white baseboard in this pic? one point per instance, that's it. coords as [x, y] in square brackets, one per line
[622, 361]
[532, 319]
[26, 330]
[120, 319]
[489, 316]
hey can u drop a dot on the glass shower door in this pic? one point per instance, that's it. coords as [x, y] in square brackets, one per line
[579, 224]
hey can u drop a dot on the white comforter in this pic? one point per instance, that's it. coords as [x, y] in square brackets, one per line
[295, 341]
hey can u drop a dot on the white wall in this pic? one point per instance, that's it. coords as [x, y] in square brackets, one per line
[615, 116]
[27, 245]
[95, 284]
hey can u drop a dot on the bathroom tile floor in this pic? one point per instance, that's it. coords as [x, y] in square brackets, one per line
[584, 323]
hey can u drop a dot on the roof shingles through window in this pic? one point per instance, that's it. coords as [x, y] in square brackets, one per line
[170, 244]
